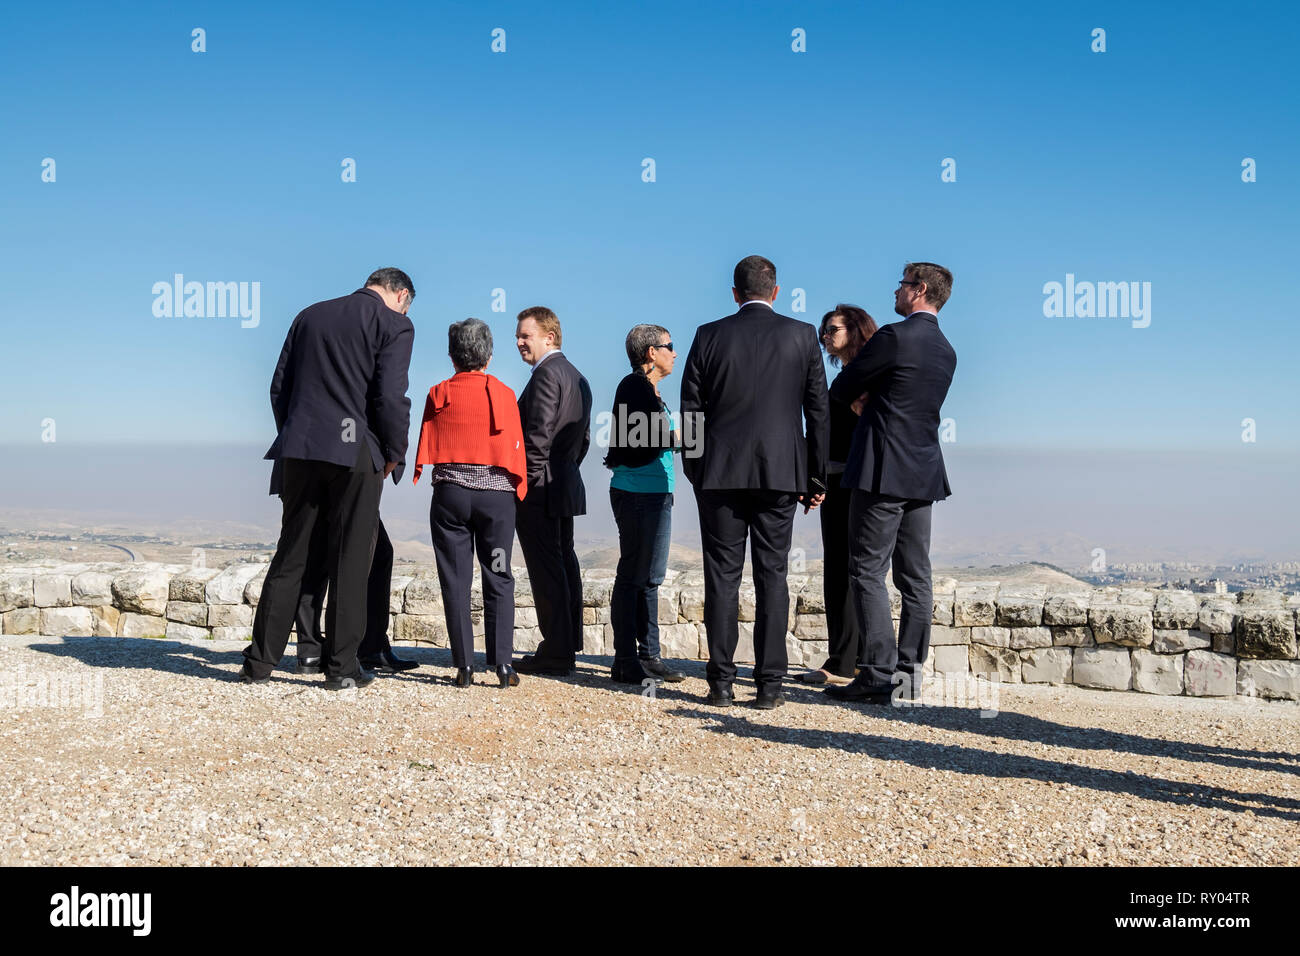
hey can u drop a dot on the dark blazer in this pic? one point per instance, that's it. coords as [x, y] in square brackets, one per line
[907, 367]
[750, 376]
[555, 407]
[640, 429]
[344, 360]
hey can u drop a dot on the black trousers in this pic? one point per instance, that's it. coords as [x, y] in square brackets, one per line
[555, 577]
[463, 522]
[312, 598]
[842, 628]
[348, 500]
[726, 519]
[885, 529]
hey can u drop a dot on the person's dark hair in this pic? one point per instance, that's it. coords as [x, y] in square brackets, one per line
[546, 320]
[394, 280]
[639, 341]
[937, 279]
[469, 343]
[858, 325]
[754, 278]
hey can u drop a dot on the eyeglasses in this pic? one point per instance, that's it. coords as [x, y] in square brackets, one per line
[666, 345]
[830, 330]
[908, 282]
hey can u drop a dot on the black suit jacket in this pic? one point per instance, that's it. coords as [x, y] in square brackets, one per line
[344, 361]
[748, 377]
[555, 409]
[906, 367]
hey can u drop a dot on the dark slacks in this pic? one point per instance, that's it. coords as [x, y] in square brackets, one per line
[842, 629]
[348, 500]
[312, 599]
[555, 577]
[726, 518]
[645, 525]
[886, 528]
[465, 521]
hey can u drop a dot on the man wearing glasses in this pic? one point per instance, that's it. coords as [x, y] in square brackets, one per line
[896, 471]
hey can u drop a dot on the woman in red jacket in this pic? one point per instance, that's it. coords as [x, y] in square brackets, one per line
[472, 436]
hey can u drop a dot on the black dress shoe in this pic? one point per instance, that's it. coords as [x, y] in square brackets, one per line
[246, 678]
[654, 667]
[361, 678]
[531, 664]
[862, 693]
[629, 672]
[721, 696]
[388, 663]
[769, 699]
[308, 665]
[507, 676]
[464, 676]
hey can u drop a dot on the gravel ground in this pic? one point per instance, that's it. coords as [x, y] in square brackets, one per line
[187, 766]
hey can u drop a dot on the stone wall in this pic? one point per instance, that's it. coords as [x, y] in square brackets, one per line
[1132, 639]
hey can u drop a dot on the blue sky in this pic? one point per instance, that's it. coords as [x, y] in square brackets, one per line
[522, 171]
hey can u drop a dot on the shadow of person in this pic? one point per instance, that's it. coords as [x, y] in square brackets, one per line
[975, 761]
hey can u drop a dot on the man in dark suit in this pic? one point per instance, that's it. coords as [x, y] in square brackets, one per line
[555, 410]
[749, 379]
[895, 469]
[343, 417]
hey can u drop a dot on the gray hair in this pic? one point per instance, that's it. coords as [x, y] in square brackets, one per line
[640, 339]
[469, 344]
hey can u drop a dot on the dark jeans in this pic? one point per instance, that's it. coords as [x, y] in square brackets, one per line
[465, 521]
[645, 523]
[727, 518]
[885, 529]
[554, 576]
[348, 499]
[312, 599]
[842, 631]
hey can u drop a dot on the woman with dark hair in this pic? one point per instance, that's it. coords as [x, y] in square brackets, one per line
[472, 436]
[641, 444]
[844, 330]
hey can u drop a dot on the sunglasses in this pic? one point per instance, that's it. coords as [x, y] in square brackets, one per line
[666, 345]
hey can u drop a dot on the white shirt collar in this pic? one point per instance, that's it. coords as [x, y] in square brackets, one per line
[538, 363]
[759, 302]
[923, 312]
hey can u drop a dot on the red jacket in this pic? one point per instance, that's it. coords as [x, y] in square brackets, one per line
[472, 418]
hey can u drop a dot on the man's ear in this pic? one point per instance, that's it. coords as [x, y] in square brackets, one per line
[735, 294]
[776, 290]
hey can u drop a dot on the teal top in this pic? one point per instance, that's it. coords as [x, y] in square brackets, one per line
[655, 478]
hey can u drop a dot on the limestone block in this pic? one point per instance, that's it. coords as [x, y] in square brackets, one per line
[1066, 608]
[176, 631]
[424, 597]
[141, 625]
[593, 639]
[67, 622]
[1261, 598]
[527, 639]
[52, 589]
[1107, 668]
[523, 590]
[1180, 641]
[597, 586]
[1224, 644]
[22, 620]
[92, 588]
[1047, 665]
[1275, 680]
[1023, 637]
[811, 600]
[1137, 597]
[230, 615]
[1266, 632]
[16, 590]
[253, 589]
[941, 635]
[943, 609]
[1120, 624]
[422, 628]
[527, 617]
[996, 663]
[397, 592]
[1021, 605]
[232, 633]
[1206, 674]
[1157, 673]
[991, 636]
[748, 598]
[108, 620]
[1217, 616]
[675, 641]
[187, 612]
[975, 604]
[668, 604]
[811, 627]
[1072, 636]
[794, 650]
[191, 585]
[692, 602]
[952, 659]
[1175, 610]
[227, 587]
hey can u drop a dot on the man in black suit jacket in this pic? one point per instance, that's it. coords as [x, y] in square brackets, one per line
[754, 382]
[895, 469]
[343, 417]
[555, 409]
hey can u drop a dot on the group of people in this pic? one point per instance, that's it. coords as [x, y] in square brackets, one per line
[765, 434]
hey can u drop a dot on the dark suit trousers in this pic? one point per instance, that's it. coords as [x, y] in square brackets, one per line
[464, 521]
[348, 500]
[841, 619]
[886, 528]
[555, 577]
[726, 519]
[312, 599]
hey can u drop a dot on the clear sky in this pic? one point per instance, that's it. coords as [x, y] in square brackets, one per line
[522, 171]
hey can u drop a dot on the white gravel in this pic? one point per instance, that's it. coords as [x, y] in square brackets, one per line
[187, 766]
